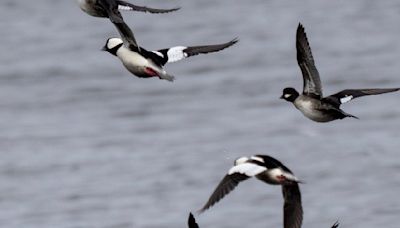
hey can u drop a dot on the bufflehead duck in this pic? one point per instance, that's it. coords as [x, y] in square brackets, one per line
[268, 170]
[192, 222]
[110, 8]
[146, 64]
[312, 103]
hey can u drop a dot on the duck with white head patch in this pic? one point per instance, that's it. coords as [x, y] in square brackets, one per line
[147, 64]
[111, 9]
[268, 170]
[311, 102]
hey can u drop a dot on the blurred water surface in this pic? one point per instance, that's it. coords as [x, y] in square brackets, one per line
[85, 144]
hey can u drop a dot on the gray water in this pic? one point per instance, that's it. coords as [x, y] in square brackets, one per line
[85, 144]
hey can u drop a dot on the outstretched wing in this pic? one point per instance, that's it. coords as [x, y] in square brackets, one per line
[311, 80]
[192, 221]
[228, 183]
[122, 5]
[349, 94]
[116, 18]
[127, 36]
[292, 208]
[235, 175]
[177, 53]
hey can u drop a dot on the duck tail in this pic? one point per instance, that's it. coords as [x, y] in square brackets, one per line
[349, 115]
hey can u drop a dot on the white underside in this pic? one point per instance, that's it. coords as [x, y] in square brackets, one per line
[133, 61]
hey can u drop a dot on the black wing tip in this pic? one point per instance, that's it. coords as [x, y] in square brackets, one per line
[393, 89]
[301, 32]
[230, 43]
[336, 224]
[191, 218]
[375, 91]
[173, 9]
[300, 28]
[235, 40]
[192, 221]
[161, 11]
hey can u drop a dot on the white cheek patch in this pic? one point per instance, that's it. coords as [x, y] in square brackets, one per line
[176, 54]
[247, 169]
[158, 53]
[113, 42]
[346, 99]
[287, 95]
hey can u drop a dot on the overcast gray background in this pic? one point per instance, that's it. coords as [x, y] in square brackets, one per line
[83, 143]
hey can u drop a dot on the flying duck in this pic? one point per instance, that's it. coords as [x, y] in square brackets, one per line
[146, 64]
[270, 171]
[311, 102]
[110, 8]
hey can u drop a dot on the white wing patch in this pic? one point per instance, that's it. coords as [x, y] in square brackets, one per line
[176, 54]
[346, 99]
[120, 7]
[248, 169]
[158, 53]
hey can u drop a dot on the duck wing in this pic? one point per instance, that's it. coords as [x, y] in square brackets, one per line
[192, 221]
[235, 175]
[350, 94]
[292, 208]
[311, 80]
[174, 54]
[122, 5]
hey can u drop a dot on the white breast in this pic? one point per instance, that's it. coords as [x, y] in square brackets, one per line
[130, 58]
